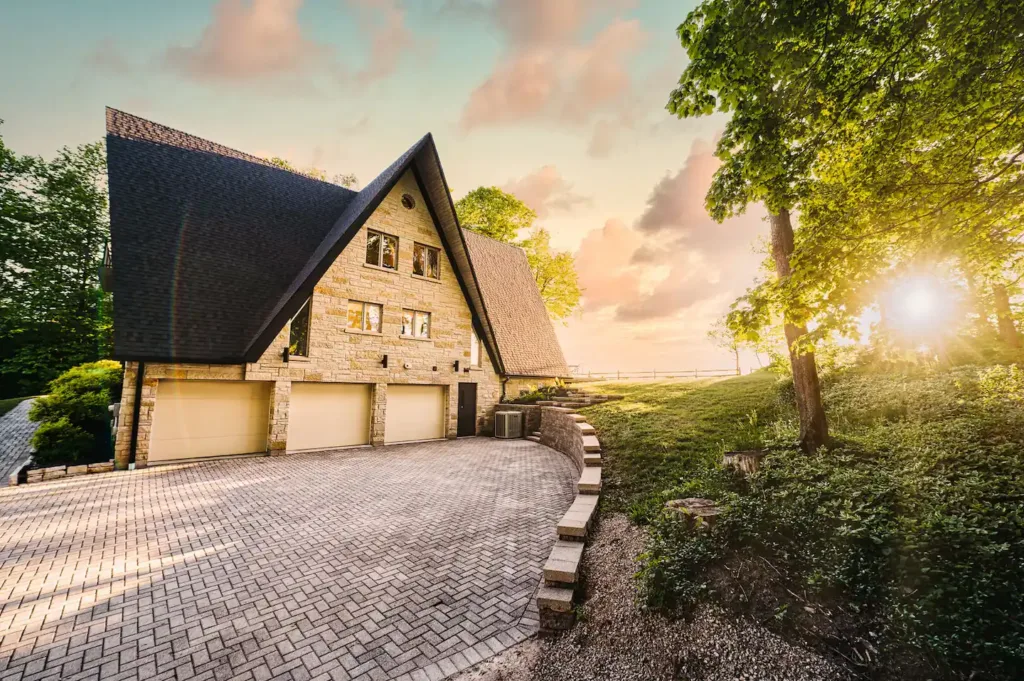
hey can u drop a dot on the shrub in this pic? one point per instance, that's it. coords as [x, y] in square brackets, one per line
[77, 405]
[60, 443]
[909, 531]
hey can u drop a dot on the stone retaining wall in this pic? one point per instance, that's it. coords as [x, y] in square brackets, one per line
[559, 429]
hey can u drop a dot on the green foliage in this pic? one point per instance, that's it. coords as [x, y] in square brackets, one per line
[555, 273]
[908, 531]
[53, 226]
[347, 180]
[60, 443]
[502, 216]
[77, 404]
[494, 213]
[11, 403]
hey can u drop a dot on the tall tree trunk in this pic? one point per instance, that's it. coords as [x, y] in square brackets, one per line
[977, 303]
[736, 351]
[1007, 327]
[813, 426]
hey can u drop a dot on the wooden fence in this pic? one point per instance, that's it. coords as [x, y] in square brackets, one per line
[652, 375]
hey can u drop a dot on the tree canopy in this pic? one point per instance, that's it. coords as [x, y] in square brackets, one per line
[347, 180]
[494, 213]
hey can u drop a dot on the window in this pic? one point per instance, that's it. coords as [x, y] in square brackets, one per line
[408, 202]
[474, 349]
[364, 316]
[426, 261]
[381, 250]
[415, 324]
[298, 335]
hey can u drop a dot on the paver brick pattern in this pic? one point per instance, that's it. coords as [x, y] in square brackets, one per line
[410, 561]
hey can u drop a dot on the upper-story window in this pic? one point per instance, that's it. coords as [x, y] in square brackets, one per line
[426, 261]
[298, 335]
[364, 316]
[415, 324]
[381, 250]
[474, 349]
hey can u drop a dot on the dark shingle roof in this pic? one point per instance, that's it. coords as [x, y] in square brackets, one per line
[205, 240]
[521, 324]
[214, 250]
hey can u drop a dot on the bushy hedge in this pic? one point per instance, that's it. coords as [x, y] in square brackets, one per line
[74, 419]
[901, 547]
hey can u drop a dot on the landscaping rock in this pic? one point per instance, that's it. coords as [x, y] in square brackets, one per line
[54, 472]
[697, 512]
[747, 462]
[78, 470]
[103, 467]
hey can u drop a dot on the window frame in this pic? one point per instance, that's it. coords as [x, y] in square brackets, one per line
[380, 253]
[363, 318]
[427, 250]
[308, 308]
[474, 349]
[417, 315]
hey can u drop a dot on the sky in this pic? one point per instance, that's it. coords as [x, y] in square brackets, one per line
[561, 102]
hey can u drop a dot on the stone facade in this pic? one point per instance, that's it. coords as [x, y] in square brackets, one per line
[338, 354]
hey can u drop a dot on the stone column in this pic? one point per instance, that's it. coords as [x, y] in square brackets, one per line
[280, 400]
[123, 438]
[378, 413]
[452, 411]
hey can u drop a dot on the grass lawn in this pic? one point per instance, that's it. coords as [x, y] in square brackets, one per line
[661, 430]
[11, 403]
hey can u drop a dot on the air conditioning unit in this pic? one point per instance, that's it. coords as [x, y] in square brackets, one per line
[508, 424]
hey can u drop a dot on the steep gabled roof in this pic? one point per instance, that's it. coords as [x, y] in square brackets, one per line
[521, 325]
[215, 250]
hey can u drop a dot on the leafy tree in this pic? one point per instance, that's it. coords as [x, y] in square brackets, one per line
[502, 216]
[555, 273]
[53, 227]
[494, 213]
[726, 338]
[347, 180]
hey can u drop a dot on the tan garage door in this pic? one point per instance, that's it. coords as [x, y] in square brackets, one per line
[209, 418]
[324, 415]
[414, 412]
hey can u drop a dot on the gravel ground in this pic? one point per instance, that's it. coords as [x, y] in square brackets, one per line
[615, 639]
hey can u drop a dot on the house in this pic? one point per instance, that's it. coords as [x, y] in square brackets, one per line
[260, 310]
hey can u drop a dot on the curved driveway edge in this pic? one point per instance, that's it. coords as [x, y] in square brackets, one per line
[16, 433]
[416, 559]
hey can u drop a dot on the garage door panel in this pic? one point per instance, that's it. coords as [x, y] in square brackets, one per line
[414, 412]
[325, 415]
[195, 419]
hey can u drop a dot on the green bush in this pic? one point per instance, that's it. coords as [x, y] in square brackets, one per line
[909, 530]
[60, 443]
[77, 407]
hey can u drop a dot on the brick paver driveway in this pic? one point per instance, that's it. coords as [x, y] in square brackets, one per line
[417, 559]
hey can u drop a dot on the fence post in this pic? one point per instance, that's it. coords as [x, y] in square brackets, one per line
[695, 373]
[654, 374]
[617, 372]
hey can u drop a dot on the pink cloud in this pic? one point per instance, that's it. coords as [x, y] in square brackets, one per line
[603, 263]
[247, 41]
[390, 38]
[545, 190]
[549, 70]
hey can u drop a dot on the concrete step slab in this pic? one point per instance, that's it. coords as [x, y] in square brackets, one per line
[585, 428]
[558, 599]
[591, 443]
[563, 565]
[533, 438]
[575, 524]
[590, 481]
[591, 459]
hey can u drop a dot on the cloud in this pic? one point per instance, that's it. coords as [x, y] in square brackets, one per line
[548, 69]
[253, 40]
[107, 56]
[603, 138]
[545, 190]
[246, 41]
[675, 258]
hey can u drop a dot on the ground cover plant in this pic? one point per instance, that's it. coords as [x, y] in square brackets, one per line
[74, 422]
[899, 549]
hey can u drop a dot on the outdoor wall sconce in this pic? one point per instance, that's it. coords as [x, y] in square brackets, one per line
[384, 361]
[456, 366]
[284, 355]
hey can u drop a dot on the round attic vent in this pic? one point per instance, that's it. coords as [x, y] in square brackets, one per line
[408, 201]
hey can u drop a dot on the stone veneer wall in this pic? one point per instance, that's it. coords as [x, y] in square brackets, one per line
[340, 355]
[559, 431]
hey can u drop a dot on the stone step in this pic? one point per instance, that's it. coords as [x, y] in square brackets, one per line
[591, 459]
[558, 599]
[590, 481]
[585, 428]
[591, 444]
[533, 438]
[576, 521]
[579, 418]
[563, 566]
[561, 410]
[535, 433]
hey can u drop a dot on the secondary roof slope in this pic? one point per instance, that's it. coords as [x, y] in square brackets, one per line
[520, 320]
[214, 250]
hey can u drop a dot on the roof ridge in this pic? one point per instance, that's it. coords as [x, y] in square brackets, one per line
[129, 126]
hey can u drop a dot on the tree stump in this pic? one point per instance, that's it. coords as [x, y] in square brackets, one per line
[747, 462]
[697, 513]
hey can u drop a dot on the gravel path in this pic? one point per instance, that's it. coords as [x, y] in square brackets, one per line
[15, 432]
[615, 639]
